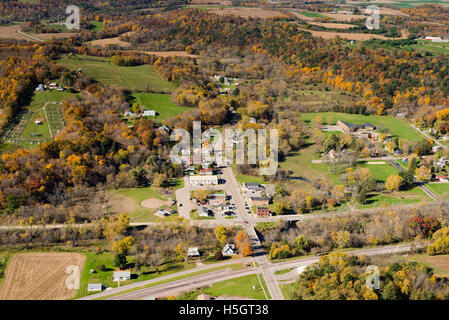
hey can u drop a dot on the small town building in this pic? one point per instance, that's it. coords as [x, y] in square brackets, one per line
[229, 249]
[259, 201]
[207, 171]
[217, 198]
[94, 287]
[251, 186]
[262, 212]
[193, 252]
[149, 113]
[442, 179]
[121, 275]
[203, 180]
[203, 211]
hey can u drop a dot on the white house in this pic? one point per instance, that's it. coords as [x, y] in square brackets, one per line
[203, 180]
[53, 85]
[37, 122]
[193, 252]
[94, 287]
[121, 275]
[203, 211]
[149, 113]
[229, 249]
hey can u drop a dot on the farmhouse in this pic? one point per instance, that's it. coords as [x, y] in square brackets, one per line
[94, 287]
[203, 180]
[259, 201]
[193, 252]
[37, 122]
[121, 275]
[262, 212]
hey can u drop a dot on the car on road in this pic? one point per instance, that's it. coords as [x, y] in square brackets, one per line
[245, 221]
[180, 204]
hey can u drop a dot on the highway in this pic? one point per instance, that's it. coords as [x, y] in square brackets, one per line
[184, 285]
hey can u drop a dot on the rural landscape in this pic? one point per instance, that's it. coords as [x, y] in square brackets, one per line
[345, 198]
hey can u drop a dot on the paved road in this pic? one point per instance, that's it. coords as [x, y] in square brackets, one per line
[173, 275]
[179, 286]
[259, 255]
[428, 136]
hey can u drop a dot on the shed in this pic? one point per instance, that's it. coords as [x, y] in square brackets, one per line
[94, 287]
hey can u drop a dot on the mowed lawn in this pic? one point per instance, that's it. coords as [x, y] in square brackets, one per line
[37, 131]
[41, 97]
[439, 188]
[161, 103]
[240, 287]
[380, 171]
[396, 127]
[104, 71]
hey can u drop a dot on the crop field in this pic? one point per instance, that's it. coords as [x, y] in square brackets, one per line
[247, 12]
[109, 41]
[396, 127]
[315, 97]
[161, 103]
[440, 263]
[139, 77]
[41, 276]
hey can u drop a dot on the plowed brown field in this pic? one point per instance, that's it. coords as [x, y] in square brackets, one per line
[40, 276]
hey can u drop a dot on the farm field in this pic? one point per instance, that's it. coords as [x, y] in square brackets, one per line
[315, 97]
[397, 127]
[109, 42]
[40, 276]
[247, 12]
[159, 102]
[102, 69]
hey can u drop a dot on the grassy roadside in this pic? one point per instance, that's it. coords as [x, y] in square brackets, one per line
[234, 267]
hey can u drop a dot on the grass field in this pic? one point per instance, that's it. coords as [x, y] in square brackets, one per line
[288, 290]
[105, 277]
[439, 263]
[311, 14]
[439, 188]
[33, 131]
[239, 287]
[161, 103]
[133, 201]
[101, 69]
[375, 199]
[97, 25]
[318, 96]
[396, 127]
[380, 171]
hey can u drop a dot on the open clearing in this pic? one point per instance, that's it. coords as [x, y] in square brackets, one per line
[247, 12]
[352, 36]
[333, 25]
[171, 54]
[439, 263]
[11, 32]
[109, 41]
[40, 276]
[397, 127]
[102, 69]
[343, 17]
[161, 103]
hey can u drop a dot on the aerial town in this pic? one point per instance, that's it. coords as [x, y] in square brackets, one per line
[321, 171]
